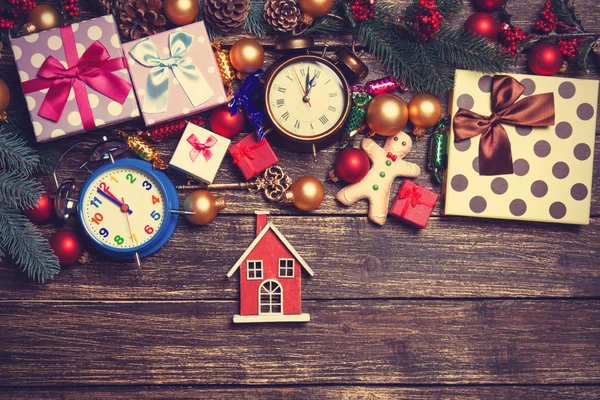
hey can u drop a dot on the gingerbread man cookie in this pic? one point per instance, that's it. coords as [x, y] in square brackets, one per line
[387, 165]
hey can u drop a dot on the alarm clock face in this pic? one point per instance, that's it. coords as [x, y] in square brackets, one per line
[123, 208]
[307, 98]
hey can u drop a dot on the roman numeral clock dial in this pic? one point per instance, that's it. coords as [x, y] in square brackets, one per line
[307, 99]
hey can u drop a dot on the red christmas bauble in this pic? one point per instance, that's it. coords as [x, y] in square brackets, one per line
[351, 165]
[545, 59]
[490, 5]
[42, 211]
[482, 24]
[67, 246]
[225, 124]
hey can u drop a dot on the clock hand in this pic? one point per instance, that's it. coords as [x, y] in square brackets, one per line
[307, 81]
[311, 84]
[137, 256]
[301, 87]
[124, 207]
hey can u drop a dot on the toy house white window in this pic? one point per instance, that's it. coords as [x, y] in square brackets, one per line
[270, 298]
[286, 267]
[254, 269]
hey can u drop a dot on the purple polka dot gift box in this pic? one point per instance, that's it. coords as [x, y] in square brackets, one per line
[175, 73]
[74, 78]
[521, 147]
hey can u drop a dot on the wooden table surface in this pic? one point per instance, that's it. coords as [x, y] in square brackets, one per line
[468, 308]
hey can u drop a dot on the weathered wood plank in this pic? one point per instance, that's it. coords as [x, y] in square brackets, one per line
[350, 342]
[453, 257]
[309, 392]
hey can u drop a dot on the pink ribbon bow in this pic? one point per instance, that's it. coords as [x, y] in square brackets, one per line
[414, 198]
[93, 69]
[199, 147]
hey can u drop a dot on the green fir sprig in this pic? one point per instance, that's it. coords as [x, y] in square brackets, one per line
[20, 240]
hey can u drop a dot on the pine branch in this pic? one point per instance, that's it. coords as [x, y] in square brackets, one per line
[18, 190]
[255, 21]
[392, 50]
[326, 25]
[15, 154]
[20, 239]
[468, 51]
[449, 7]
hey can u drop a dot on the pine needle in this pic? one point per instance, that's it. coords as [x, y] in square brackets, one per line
[18, 190]
[22, 241]
[255, 22]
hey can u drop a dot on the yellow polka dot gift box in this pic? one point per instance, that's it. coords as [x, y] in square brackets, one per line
[74, 78]
[521, 147]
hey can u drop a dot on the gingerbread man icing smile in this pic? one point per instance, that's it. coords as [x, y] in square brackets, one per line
[387, 165]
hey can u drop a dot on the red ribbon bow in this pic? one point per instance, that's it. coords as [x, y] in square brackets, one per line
[392, 156]
[93, 69]
[414, 197]
[246, 153]
[199, 147]
[495, 154]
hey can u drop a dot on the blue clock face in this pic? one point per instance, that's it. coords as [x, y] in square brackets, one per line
[126, 208]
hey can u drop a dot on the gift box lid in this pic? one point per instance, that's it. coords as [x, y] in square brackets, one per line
[553, 165]
[32, 50]
[194, 86]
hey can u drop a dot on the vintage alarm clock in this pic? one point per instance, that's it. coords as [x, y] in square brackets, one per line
[127, 208]
[307, 96]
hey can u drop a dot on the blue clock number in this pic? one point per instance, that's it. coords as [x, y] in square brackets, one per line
[130, 178]
[95, 202]
[147, 185]
[155, 215]
[103, 232]
[119, 240]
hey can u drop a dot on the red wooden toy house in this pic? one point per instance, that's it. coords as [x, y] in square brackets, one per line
[270, 277]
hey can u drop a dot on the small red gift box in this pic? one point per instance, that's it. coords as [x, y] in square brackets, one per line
[414, 204]
[252, 156]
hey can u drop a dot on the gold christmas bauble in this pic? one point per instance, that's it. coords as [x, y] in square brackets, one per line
[424, 110]
[307, 193]
[205, 205]
[4, 96]
[316, 8]
[247, 55]
[181, 12]
[43, 17]
[387, 114]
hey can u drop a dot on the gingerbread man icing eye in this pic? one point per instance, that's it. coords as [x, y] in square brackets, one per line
[396, 138]
[403, 143]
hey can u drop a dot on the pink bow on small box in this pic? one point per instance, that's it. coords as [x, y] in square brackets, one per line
[199, 147]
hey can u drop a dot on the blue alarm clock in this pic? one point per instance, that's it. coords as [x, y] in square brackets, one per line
[128, 209]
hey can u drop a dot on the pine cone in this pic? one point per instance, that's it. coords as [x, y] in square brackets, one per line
[226, 15]
[282, 15]
[142, 18]
[114, 7]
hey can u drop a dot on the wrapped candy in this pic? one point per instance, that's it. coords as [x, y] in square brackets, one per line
[437, 160]
[170, 129]
[388, 84]
[142, 149]
[223, 62]
[242, 100]
[360, 99]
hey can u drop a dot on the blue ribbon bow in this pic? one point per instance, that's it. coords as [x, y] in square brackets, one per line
[189, 77]
[243, 101]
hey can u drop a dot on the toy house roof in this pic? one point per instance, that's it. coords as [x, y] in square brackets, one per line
[257, 241]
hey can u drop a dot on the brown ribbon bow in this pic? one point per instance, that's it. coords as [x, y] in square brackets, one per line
[495, 155]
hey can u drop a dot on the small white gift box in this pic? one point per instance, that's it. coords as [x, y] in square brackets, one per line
[200, 153]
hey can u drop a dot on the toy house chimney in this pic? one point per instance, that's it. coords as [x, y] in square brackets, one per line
[261, 220]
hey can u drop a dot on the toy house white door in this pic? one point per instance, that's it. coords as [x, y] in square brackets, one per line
[270, 298]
